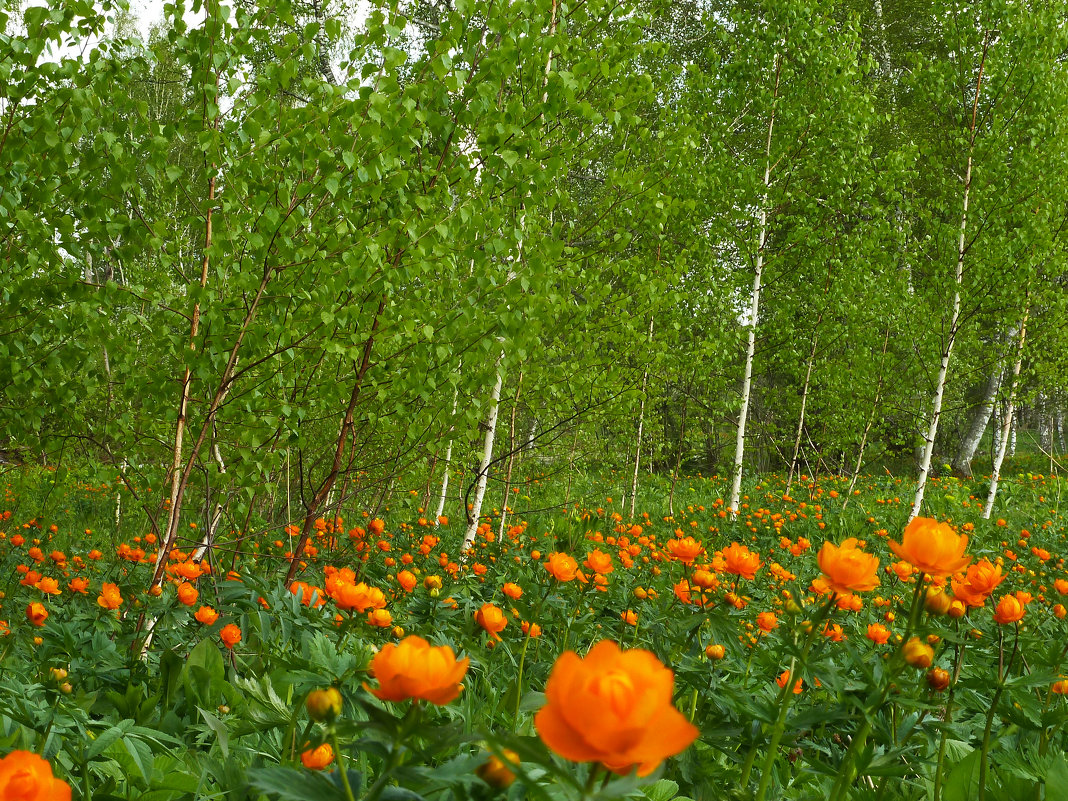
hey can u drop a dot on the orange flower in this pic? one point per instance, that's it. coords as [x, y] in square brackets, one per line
[561, 566]
[918, 653]
[766, 621]
[380, 618]
[599, 562]
[740, 561]
[513, 591]
[978, 583]
[187, 593]
[635, 725]
[317, 758]
[492, 619]
[109, 597]
[25, 776]
[79, 584]
[878, 633]
[358, 596]
[407, 580]
[189, 570]
[1009, 610]
[932, 547]
[1061, 586]
[846, 568]
[414, 668]
[206, 615]
[230, 635]
[685, 549]
[532, 630]
[630, 617]
[309, 595]
[36, 613]
[49, 586]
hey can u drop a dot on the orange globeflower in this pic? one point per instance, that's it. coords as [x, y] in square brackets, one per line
[932, 547]
[230, 635]
[1061, 586]
[978, 583]
[766, 621]
[407, 580]
[206, 615]
[1009, 610]
[630, 617]
[36, 613]
[109, 597]
[492, 619]
[26, 776]
[784, 679]
[561, 566]
[513, 591]
[317, 758]
[187, 593]
[49, 586]
[740, 561]
[599, 562]
[636, 725]
[413, 668]
[846, 568]
[380, 617]
[685, 549]
[79, 585]
[878, 633]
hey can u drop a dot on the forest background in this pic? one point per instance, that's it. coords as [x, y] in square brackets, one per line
[269, 263]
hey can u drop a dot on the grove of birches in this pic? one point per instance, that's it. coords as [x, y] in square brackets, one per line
[548, 399]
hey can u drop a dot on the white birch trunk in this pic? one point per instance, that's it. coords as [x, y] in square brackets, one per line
[754, 312]
[954, 321]
[1006, 422]
[980, 420]
[801, 415]
[638, 444]
[448, 464]
[487, 457]
[511, 459]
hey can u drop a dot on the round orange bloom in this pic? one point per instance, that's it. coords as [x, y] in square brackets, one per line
[740, 561]
[685, 549]
[561, 566]
[109, 597]
[79, 584]
[49, 586]
[407, 580]
[630, 617]
[784, 679]
[1061, 586]
[26, 776]
[1009, 610]
[187, 593]
[492, 619]
[635, 725]
[513, 591]
[532, 630]
[918, 653]
[230, 635]
[206, 615]
[413, 668]
[767, 621]
[878, 633]
[715, 651]
[1060, 687]
[932, 547]
[317, 758]
[380, 617]
[978, 583]
[189, 570]
[36, 613]
[846, 568]
[358, 596]
[498, 772]
[599, 562]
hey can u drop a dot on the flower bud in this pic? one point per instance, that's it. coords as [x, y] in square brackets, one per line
[498, 772]
[936, 601]
[938, 679]
[715, 652]
[324, 704]
[918, 654]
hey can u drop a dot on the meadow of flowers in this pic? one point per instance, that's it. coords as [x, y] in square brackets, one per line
[819, 645]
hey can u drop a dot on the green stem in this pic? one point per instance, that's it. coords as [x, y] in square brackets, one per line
[984, 752]
[341, 765]
[523, 654]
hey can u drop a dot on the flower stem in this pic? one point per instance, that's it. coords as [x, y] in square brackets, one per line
[341, 765]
